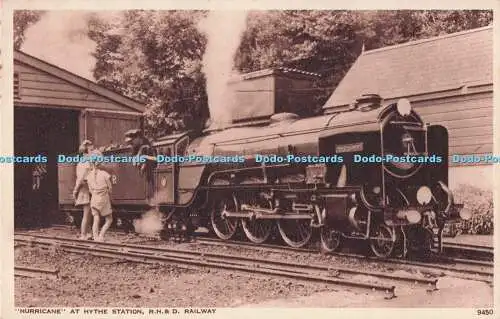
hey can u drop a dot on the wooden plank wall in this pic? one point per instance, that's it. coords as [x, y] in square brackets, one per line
[105, 129]
[39, 88]
[468, 118]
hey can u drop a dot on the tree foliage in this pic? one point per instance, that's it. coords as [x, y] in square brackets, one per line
[23, 19]
[155, 56]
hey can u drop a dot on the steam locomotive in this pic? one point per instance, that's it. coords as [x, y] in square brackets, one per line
[372, 173]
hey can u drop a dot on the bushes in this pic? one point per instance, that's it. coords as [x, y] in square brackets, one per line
[480, 203]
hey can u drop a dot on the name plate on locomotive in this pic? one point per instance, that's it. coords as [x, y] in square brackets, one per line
[349, 148]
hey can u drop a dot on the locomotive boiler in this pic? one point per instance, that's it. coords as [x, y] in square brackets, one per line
[372, 173]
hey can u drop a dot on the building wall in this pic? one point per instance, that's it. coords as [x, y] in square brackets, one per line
[469, 120]
[106, 128]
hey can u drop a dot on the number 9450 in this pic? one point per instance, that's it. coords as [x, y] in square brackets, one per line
[484, 312]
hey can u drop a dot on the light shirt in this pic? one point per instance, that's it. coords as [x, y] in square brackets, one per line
[99, 182]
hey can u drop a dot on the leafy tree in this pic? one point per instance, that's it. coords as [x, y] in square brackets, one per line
[155, 56]
[383, 28]
[23, 19]
[328, 42]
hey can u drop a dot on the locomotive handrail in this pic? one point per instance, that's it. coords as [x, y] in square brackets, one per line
[414, 128]
[289, 133]
[246, 140]
[405, 122]
[387, 118]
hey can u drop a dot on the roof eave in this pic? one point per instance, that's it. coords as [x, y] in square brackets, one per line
[77, 80]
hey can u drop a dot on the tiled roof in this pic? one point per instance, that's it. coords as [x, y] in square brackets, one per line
[441, 63]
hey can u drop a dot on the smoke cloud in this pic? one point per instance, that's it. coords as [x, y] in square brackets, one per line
[224, 30]
[150, 223]
[60, 38]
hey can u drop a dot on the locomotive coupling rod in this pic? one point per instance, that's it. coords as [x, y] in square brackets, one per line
[226, 214]
[259, 215]
[258, 209]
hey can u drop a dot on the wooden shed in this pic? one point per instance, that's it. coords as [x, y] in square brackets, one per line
[448, 79]
[54, 110]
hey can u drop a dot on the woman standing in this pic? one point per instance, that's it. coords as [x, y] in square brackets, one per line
[81, 192]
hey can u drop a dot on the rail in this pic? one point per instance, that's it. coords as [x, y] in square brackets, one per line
[456, 267]
[148, 254]
[23, 271]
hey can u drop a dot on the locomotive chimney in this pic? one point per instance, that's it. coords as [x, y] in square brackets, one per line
[367, 102]
[261, 94]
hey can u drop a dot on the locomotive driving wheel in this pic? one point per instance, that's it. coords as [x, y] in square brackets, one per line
[331, 240]
[383, 241]
[258, 230]
[224, 227]
[295, 232]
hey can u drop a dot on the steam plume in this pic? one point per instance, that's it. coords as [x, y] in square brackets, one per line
[150, 223]
[224, 30]
[60, 38]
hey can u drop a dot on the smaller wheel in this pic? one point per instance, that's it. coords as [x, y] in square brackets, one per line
[224, 228]
[331, 240]
[383, 241]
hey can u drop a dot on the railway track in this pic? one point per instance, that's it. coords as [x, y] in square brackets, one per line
[481, 270]
[472, 251]
[367, 280]
[457, 267]
[23, 271]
